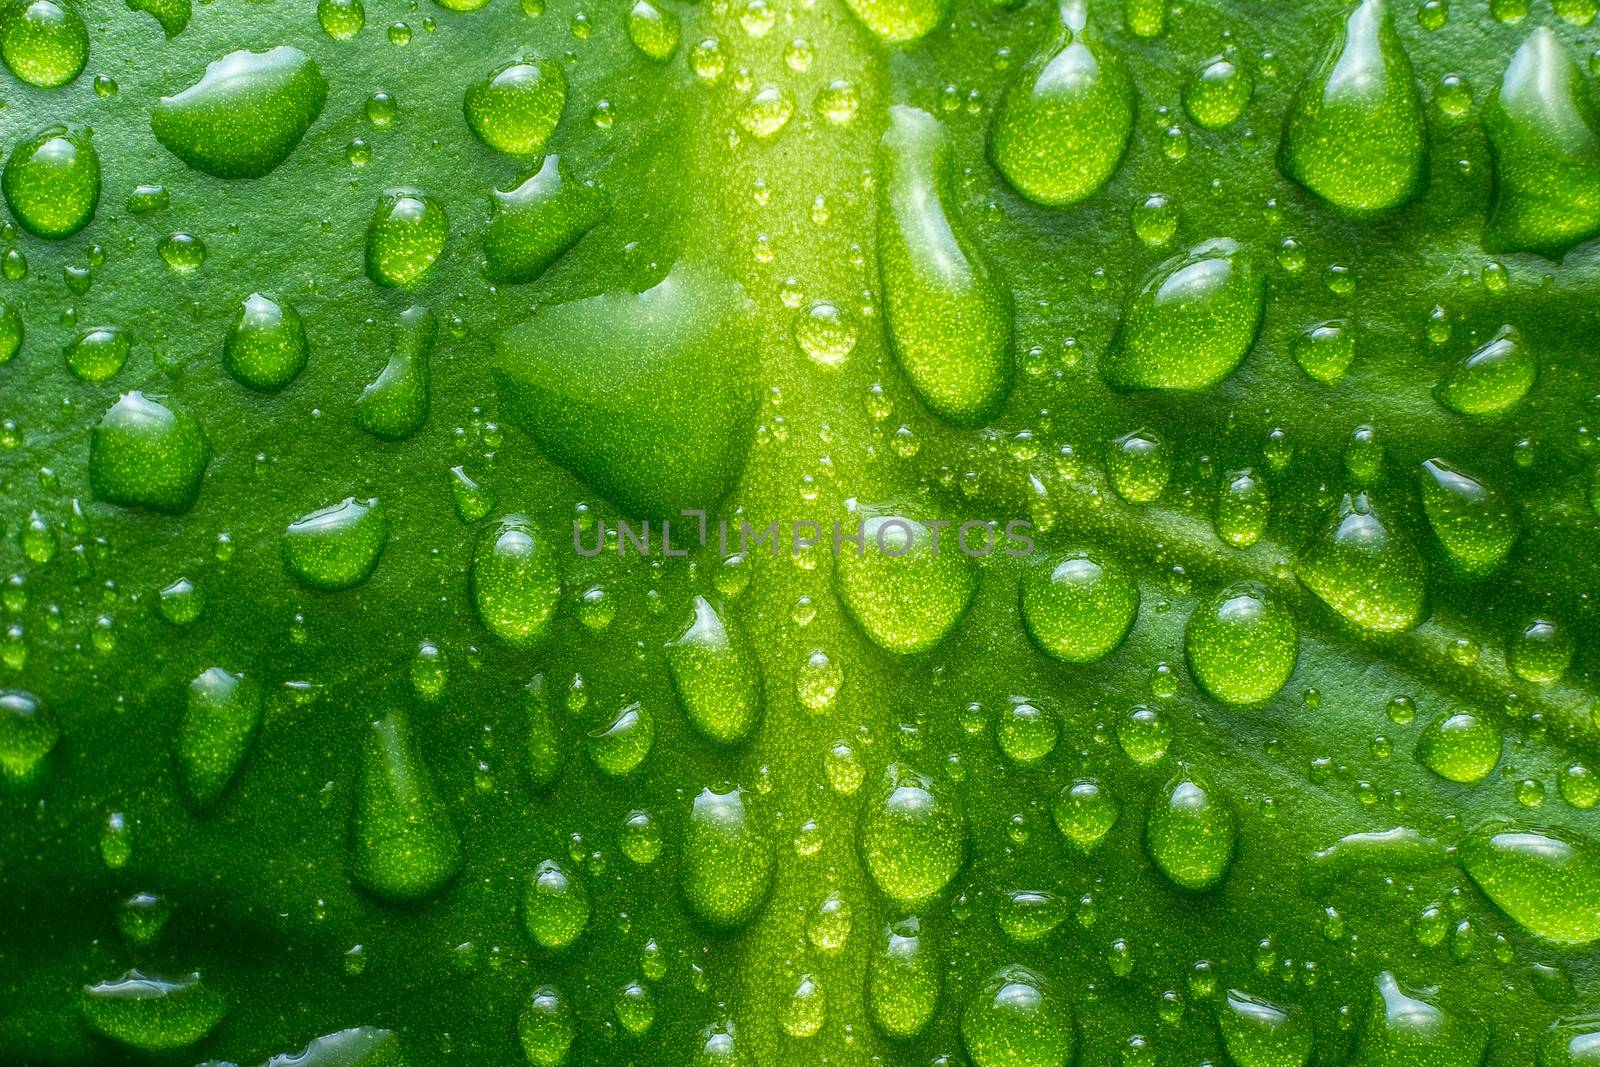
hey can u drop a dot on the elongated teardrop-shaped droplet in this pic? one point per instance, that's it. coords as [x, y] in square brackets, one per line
[52, 181]
[546, 1028]
[1547, 882]
[28, 731]
[152, 1013]
[218, 726]
[1063, 126]
[1260, 1033]
[1243, 507]
[644, 396]
[535, 224]
[1492, 379]
[653, 29]
[1190, 833]
[44, 43]
[903, 981]
[1019, 1018]
[727, 861]
[1473, 521]
[900, 21]
[1368, 573]
[912, 835]
[515, 109]
[406, 236]
[1355, 133]
[336, 547]
[1080, 608]
[555, 906]
[403, 845]
[717, 676]
[1544, 137]
[547, 750]
[1461, 747]
[1192, 321]
[266, 346]
[909, 586]
[245, 114]
[949, 315]
[395, 404]
[1405, 1030]
[515, 580]
[1242, 644]
[620, 745]
[144, 453]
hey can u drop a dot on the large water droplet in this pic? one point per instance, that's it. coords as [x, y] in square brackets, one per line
[1260, 1033]
[515, 109]
[245, 114]
[1549, 883]
[1191, 322]
[515, 580]
[1368, 573]
[1355, 134]
[717, 676]
[949, 315]
[266, 346]
[913, 837]
[1473, 521]
[1462, 747]
[903, 981]
[1544, 138]
[1242, 644]
[394, 405]
[144, 453]
[406, 236]
[1080, 608]
[43, 43]
[402, 844]
[1190, 833]
[152, 1013]
[52, 181]
[218, 726]
[644, 396]
[728, 859]
[1062, 127]
[1405, 1030]
[1019, 1018]
[910, 586]
[1492, 379]
[336, 547]
[538, 222]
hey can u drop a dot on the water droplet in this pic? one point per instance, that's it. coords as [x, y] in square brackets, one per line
[97, 354]
[516, 108]
[218, 726]
[152, 1013]
[1217, 93]
[555, 906]
[949, 317]
[716, 676]
[619, 746]
[1404, 1030]
[1063, 126]
[900, 21]
[1027, 733]
[1493, 379]
[1242, 644]
[1139, 465]
[908, 588]
[1260, 1033]
[1019, 1018]
[653, 30]
[826, 332]
[1473, 521]
[1027, 915]
[245, 114]
[1192, 320]
[728, 859]
[44, 43]
[1462, 747]
[1190, 833]
[1242, 508]
[1085, 812]
[52, 181]
[403, 846]
[266, 346]
[1544, 138]
[1366, 572]
[1081, 608]
[535, 224]
[1325, 350]
[406, 235]
[28, 732]
[806, 1010]
[341, 19]
[1541, 652]
[336, 547]
[515, 581]
[394, 405]
[767, 111]
[903, 981]
[545, 1027]
[912, 837]
[1355, 134]
[144, 453]
[838, 101]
